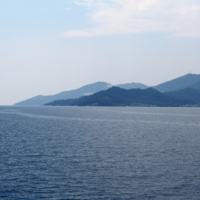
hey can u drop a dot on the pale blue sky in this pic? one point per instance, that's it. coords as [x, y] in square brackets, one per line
[49, 46]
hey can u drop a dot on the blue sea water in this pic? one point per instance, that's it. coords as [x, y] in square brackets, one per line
[56, 153]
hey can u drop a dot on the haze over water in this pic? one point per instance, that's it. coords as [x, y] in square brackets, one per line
[99, 153]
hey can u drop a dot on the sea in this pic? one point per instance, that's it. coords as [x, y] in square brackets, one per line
[58, 153]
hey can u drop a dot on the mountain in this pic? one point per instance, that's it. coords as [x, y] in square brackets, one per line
[132, 86]
[185, 94]
[189, 80]
[85, 90]
[116, 96]
[196, 86]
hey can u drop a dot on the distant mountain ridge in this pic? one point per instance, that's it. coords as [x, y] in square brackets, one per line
[91, 88]
[83, 91]
[189, 80]
[116, 96]
[132, 85]
[180, 83]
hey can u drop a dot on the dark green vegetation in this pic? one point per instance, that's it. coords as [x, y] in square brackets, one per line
[116, 96]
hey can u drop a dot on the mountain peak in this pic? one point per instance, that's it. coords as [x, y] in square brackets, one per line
[178, 83]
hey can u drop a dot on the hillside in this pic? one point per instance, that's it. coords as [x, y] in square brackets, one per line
[116, 96]
[128, 86]
[83, 91]
[196, 86]
[189, 80]
[186, 94]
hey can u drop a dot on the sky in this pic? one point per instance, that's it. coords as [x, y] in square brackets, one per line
[49, 46]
